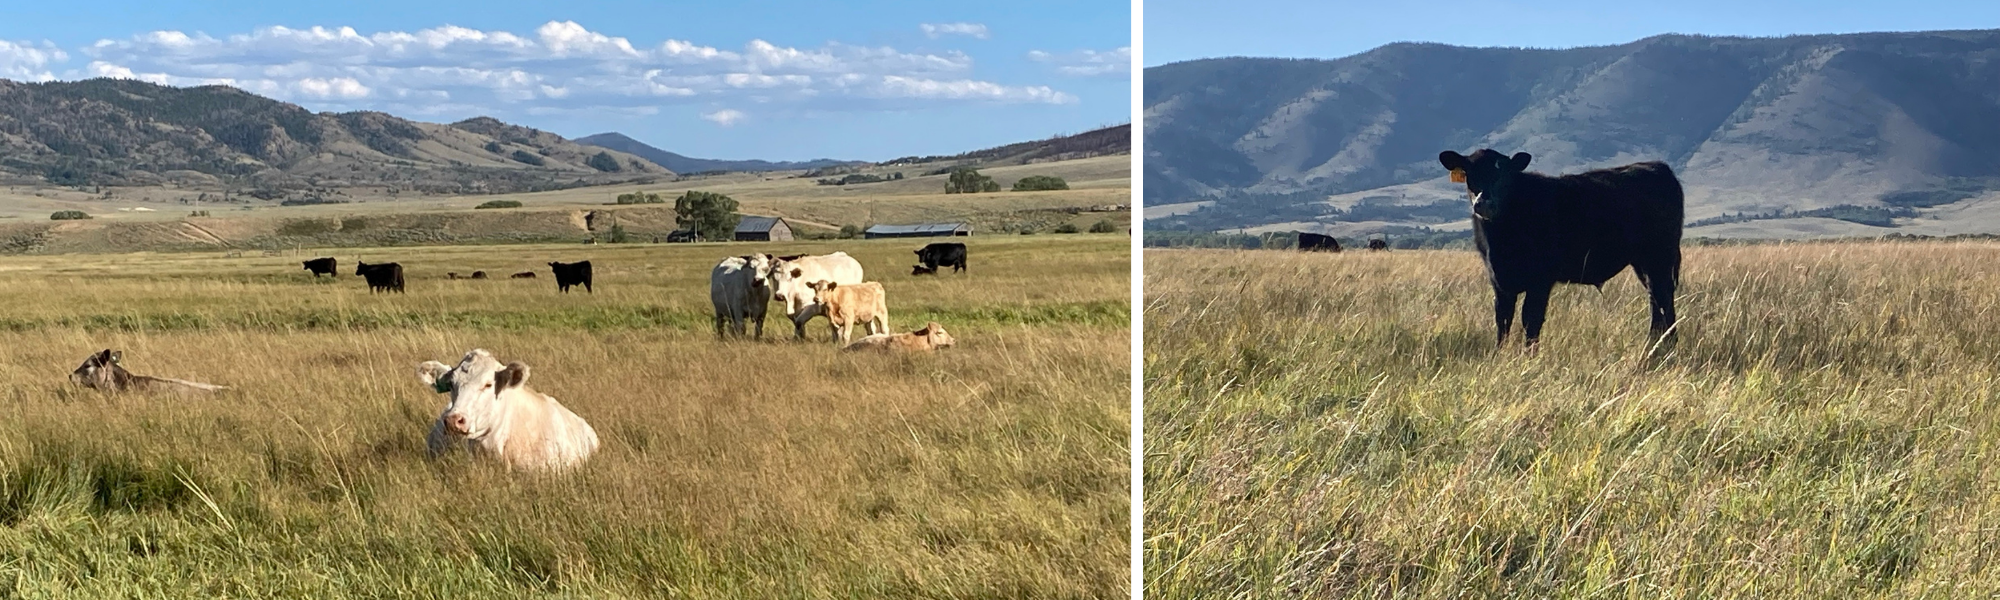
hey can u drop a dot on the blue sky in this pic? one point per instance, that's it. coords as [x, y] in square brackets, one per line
[1178, 30]
[785, 80]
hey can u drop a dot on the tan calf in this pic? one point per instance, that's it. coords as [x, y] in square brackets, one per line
[101, 371]
[931, 337]
[846, 305]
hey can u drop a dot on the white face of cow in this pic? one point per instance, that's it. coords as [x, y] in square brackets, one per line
[760, 268]
[475, 386]
[786, 287]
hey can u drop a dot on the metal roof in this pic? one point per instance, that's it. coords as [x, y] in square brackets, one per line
[756, 224]
[917, 228]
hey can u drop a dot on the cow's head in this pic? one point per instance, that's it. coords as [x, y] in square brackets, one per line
[787, 287]
[1489, 178]
[760, 270]
[98, 368]
[934, 331]
[360, 268]
[475, 386]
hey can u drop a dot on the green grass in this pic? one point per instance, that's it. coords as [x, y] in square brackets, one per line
[1341, 426]
[995, 469]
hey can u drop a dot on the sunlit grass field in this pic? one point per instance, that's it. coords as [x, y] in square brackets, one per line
[741, 469]
[1340, 425]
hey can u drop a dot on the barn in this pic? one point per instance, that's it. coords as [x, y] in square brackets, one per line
[763, 229]
[918, 230]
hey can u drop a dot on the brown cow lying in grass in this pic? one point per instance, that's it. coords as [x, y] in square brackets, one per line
[494, 413]
[931, 337]
[846, 305]
[101, 371]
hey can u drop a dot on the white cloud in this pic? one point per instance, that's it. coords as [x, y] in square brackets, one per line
[1088, 63]
[561, 66]
[25, 61]
[725, 117]
[937, 30]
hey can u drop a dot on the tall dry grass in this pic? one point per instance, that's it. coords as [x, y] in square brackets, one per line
[1342, 426]
[729, 470]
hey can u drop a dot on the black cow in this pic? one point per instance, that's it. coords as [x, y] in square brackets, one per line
[1534, 231]
[1311, 242]
[322, 266]
[571, 274]
[478, 274]
[386, 277]
[1378, 245]
[943, 254]
[522, 275]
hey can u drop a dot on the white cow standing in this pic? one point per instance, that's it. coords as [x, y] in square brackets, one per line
[791, 281]
[740, 287]
[494, 413]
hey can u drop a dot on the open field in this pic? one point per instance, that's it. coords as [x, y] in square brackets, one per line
[774, 469]
[1341, 426]
[1100, 189]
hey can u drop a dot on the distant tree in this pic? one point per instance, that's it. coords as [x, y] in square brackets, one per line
[500, 204]
[641, 198]
[1037, 183]
[969, 181]
[1104, 226]
[68, 215]
[618, 234]
[493, 147]
[1067, 228]
[528, 157]
[848, 232]
[603, 161]
[711, 214]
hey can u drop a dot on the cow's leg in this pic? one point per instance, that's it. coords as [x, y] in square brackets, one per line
[760, 327]
[1534, 311]
[718, 324]
[1503, 313]
[1660, 280]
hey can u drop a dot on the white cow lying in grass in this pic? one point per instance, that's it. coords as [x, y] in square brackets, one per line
[494, 413]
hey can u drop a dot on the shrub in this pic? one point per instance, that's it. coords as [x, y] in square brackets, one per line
[500, 204]
[1067, 228]
[603, 161]
[641, 198]
[969, 181]
[848, 232]
[1037, 183]
[528, 157]
[68, 215]
[1104, 226]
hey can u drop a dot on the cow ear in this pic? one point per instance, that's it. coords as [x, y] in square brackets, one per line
[1520, 161]
[513, 376]
[1453, 161]
[432, 372]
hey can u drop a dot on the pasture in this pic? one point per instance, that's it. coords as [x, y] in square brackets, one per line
[1342, 426]
[772, 469]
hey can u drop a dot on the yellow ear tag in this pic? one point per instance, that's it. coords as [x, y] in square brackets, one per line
[1458, 175]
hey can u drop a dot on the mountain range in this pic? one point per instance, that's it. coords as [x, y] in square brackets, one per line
[682, 164]
[1879, 129]
[126, 132]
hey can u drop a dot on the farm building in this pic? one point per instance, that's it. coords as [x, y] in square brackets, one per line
[918, 230]
[763, 229]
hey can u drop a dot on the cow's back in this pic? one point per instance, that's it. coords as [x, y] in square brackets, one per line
[540, 432]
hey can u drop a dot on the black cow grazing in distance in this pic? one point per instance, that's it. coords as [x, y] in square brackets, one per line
[1534, 231]
[1378, 245]
[572, 274]
[478, 274]
[522, 275]
[386, 277]
[322, 266]
[1314, 242]
[943, 254]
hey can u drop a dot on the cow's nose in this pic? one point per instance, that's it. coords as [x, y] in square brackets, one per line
[457, 424]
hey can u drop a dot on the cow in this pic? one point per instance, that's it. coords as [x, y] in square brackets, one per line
[1378, 245]
[740, 288]
[493, 413]
[522, 275]
[572, 274]
[451, 275]
[478, 274]
[846, 305]
[922, 270]
[1314, 242]
[791, 277]
[101, 371]
[943, 254]
[931, 337]
[1534, 231]
[323, 266]
[383, 277]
